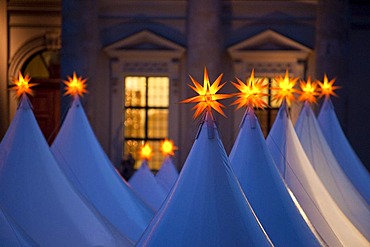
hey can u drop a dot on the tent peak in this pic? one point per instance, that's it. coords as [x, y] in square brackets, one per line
[210, 122]
[252, 118]
[284, 109]
[24, 103]
[76, 101]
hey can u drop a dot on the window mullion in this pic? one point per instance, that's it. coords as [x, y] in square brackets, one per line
[146, 108]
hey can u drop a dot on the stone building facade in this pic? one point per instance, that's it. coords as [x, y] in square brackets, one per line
[114, 43]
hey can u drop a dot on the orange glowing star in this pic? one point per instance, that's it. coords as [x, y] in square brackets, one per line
[22, 86]
[327, 87]
[308, 91]
[146, 152]
[285, 89]
[168, 147]
[75, 86]
[251, 93]
[207, 98]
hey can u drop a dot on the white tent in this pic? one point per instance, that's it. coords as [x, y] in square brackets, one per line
[144, 184]
[167, 175]
[265, 188]
[36, 194]
[11, 234]
[81, 157]
[332, 176]
[206, 206]
[325, 215]
[342, 150]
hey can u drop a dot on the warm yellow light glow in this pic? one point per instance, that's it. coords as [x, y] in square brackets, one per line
[308, 91]
[207, 98]
[327, 87]
[285, 88]
[21, 85]
[168, 147]
[146, 152]
[75, 86]
[251, 93]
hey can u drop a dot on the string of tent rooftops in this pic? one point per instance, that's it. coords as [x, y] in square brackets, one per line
[252, 93]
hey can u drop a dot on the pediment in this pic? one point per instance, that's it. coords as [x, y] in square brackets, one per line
[143, 41]
[268, 40]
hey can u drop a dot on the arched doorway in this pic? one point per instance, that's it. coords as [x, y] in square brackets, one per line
[44, 70]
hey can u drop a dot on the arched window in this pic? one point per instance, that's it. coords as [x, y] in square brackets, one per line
[43, 65]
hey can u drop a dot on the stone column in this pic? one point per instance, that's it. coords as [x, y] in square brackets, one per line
[4, 110]
[204, 37]
[332, 49]
[205, 47]
[79, 44]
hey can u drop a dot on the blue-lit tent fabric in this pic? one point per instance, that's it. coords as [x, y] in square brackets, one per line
[81, 157]
[206, 206]
[265, 189]
[330, 172]
[167, 175]
[324, 214]
[146, 186]
[36, 194]
[342, 150]
[11, 234]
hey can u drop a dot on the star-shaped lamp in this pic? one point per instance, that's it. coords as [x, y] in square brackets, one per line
[251, 93]
[327, 88]
[309, 91]
[22, 85]
[207, 98]
[168, 148]
[146, 152]
[285, 89]
[75, 86]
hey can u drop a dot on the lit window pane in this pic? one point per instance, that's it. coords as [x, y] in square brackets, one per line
[134, 123]
[156, 161]
[135, 91]
[157, 123]
[158, 90]
[133, 147]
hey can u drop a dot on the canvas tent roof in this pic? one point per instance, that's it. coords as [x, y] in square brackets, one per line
[325, 215]
[330, 172]
[11, 234]
[206, 206]
[83, 160]
[36, 194]
[265, 189]
[343, 151]
[167, 175]
[146, 186]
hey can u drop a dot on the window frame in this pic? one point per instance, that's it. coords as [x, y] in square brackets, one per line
[146, 137]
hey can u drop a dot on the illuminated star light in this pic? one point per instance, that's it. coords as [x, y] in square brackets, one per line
[285, 89]
[168, 147]
[207, 98]
[21, 85]
[327, 87]
[146, 152]
[251, 93]
[75, 86]
[309, 92]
